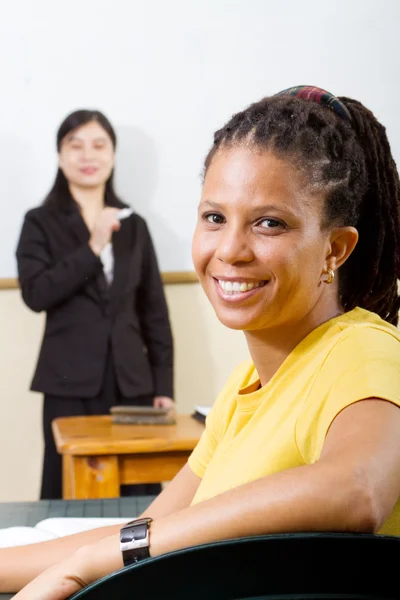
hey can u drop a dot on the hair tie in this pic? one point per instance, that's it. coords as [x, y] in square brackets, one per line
[320, 96]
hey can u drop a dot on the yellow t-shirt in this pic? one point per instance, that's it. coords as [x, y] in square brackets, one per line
[253, 432]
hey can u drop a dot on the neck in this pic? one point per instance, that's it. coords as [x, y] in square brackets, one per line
[270, 347]
[90, 200]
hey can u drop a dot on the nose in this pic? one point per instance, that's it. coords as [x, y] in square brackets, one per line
[234, 246]
[88, 153]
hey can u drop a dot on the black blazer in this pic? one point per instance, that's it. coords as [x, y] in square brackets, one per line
[59, 274]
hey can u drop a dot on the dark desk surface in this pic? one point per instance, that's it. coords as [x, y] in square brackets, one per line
[29, 513]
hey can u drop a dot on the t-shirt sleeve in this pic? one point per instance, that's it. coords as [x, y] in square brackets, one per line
[365, 363]
[217, 422]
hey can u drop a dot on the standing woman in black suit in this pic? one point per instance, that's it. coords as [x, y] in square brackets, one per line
[107, 338]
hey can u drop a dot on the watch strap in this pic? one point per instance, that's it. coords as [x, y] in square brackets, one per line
[134, 533]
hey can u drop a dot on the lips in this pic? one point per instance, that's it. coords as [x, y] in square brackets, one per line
[89, 170]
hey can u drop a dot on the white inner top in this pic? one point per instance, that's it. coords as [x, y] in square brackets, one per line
[107, 258]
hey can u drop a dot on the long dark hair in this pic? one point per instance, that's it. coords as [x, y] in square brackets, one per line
[353, 164]
[59, 197]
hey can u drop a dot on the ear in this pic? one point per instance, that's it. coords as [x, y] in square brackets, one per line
[343, 240]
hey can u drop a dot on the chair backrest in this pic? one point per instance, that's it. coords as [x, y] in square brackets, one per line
[274, 567]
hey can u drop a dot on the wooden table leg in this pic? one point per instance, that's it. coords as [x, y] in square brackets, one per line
[67, 481]
[86, 477]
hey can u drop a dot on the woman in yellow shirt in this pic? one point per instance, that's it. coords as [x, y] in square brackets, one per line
[298, 245]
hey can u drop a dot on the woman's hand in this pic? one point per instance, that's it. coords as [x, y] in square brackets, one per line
[163, 402]
[105, 224]
[88, 564]
[56, 583]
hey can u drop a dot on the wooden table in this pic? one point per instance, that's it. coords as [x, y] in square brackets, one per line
[98, 456]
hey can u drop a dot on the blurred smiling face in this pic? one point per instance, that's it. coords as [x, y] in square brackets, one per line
[259, 248]
[86, 156]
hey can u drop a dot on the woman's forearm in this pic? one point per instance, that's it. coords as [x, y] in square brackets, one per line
[21, 564]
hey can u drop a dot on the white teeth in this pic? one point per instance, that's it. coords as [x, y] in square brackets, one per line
[228, 287]
[234, 287]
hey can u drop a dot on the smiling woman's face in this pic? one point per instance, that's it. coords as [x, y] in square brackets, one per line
[259, 249]
[86, 156]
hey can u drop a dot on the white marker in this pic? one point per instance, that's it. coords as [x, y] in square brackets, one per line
[124, 213]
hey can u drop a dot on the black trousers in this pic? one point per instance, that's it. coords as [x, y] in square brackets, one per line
[56, 406]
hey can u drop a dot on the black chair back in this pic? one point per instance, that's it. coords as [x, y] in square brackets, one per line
[275, 567]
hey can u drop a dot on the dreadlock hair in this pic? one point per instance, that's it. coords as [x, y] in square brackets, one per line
[351, 163]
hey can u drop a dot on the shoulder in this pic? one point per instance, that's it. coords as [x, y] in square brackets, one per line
[364, 334]
[37, 220]
[45, 213]
[36, 214]
[363, 356]
[139, 221]
[140, 227]
[363, 362]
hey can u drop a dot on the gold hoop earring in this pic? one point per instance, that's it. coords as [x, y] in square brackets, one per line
[331, 276]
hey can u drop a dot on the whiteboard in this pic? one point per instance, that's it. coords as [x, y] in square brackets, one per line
[167, 74]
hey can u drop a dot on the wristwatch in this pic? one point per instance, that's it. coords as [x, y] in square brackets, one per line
[134, 540]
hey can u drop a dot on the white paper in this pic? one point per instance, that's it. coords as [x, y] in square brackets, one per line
[53, 528]
[203, 410]
[124, 213]
[61, 526]
[21, 536]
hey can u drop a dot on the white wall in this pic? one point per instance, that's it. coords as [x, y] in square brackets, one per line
[168, 73]
[206, 353]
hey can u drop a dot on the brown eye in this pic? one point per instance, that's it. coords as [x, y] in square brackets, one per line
[271, 223]
[214, 218]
